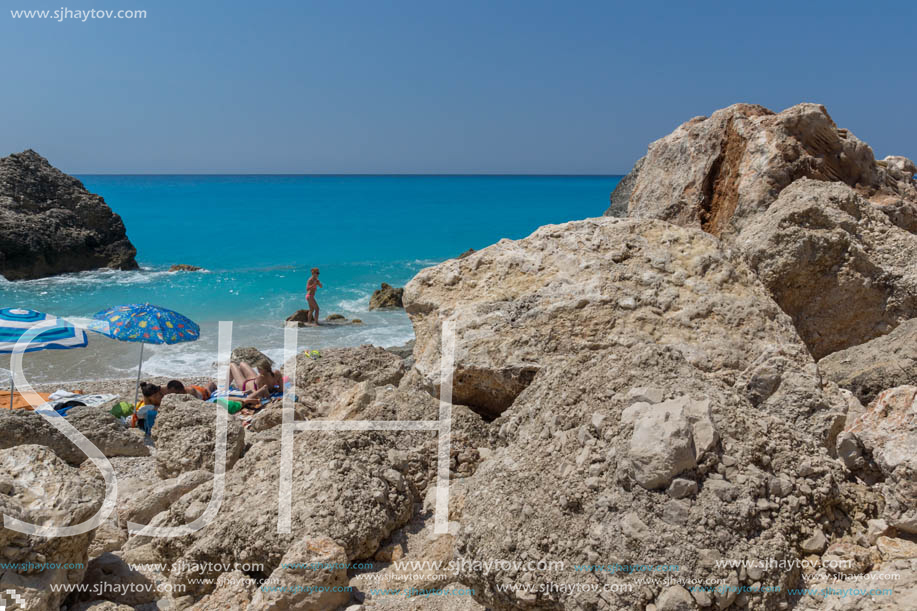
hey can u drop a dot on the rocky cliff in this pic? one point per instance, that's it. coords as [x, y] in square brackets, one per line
[50, 224]
[827, 227]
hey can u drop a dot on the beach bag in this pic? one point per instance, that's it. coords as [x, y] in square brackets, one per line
[122, 409]
[231, 406]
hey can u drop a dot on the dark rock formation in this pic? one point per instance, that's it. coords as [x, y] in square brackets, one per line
[184, 267]
[386, 298]
[50, 224]
[302, 317]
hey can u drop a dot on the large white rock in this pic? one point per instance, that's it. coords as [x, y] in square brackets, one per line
[37, 487]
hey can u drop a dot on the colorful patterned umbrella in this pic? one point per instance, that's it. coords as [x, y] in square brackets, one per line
[57, 334]
[147, 324]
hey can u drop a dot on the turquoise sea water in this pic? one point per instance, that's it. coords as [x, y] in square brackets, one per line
[258, 236]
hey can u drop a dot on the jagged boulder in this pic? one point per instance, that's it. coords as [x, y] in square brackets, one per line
[386, 298]
[185, 434]
[322, 379]
[184, 267]
[577, 476]
[519, 306]
[38, 487]
[50, 224]
[730, 174]
[18, 427]
[716, 172]
[317, 565]
[884, 362]
[834, 263]
[344, 486]
[249, 355]
[886, 436]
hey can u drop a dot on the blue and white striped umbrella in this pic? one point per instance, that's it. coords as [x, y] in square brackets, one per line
[14, 322]
[55, 334]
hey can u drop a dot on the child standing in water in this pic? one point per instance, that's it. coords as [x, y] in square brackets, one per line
[311, 287]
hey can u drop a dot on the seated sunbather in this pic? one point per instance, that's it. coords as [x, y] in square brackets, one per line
[258, 385]
[200, 392]
[147, 409]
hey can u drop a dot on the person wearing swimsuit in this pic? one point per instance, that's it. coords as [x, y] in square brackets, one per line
[258, 384]
[311, 286]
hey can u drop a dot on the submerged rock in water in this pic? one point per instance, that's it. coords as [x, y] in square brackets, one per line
[827, 227]
[386, 298]
[184, 267]
[302, 317]
[50, 224]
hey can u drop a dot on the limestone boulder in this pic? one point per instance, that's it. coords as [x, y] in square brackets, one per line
[887, 432]
[38, 487]
[234, 590]
[322, 380]
[577, 475]
[316, 568]
[19, 427]
[879, 364]
[272, 415]
[248, 354]
[520, 306]
[185, 433]
[142, 506]
[344, 486]
[833, 250]
[834, 263]
[717, 172]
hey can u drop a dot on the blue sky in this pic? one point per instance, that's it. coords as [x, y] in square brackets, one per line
[416, 87]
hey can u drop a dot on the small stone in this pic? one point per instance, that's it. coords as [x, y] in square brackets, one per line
[845, 558]
[681, 488]
[645, 394]
[702, 598]
[675, 598]
[878, 528]
[779, 487]
[893, 548]
[816, 543]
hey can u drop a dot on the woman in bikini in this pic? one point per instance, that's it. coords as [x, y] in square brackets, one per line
[260, 384]
[311, 286]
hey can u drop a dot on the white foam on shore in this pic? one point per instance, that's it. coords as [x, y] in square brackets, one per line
[105, 358]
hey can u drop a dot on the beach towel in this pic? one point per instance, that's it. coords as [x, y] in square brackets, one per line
[20, 401]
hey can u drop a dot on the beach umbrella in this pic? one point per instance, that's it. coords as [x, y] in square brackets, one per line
[147, 324]
[54, 334]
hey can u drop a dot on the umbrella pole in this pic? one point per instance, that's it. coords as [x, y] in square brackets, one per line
[12, 388]
[139, 368]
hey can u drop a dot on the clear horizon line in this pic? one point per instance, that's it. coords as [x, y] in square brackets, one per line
[78, 173]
